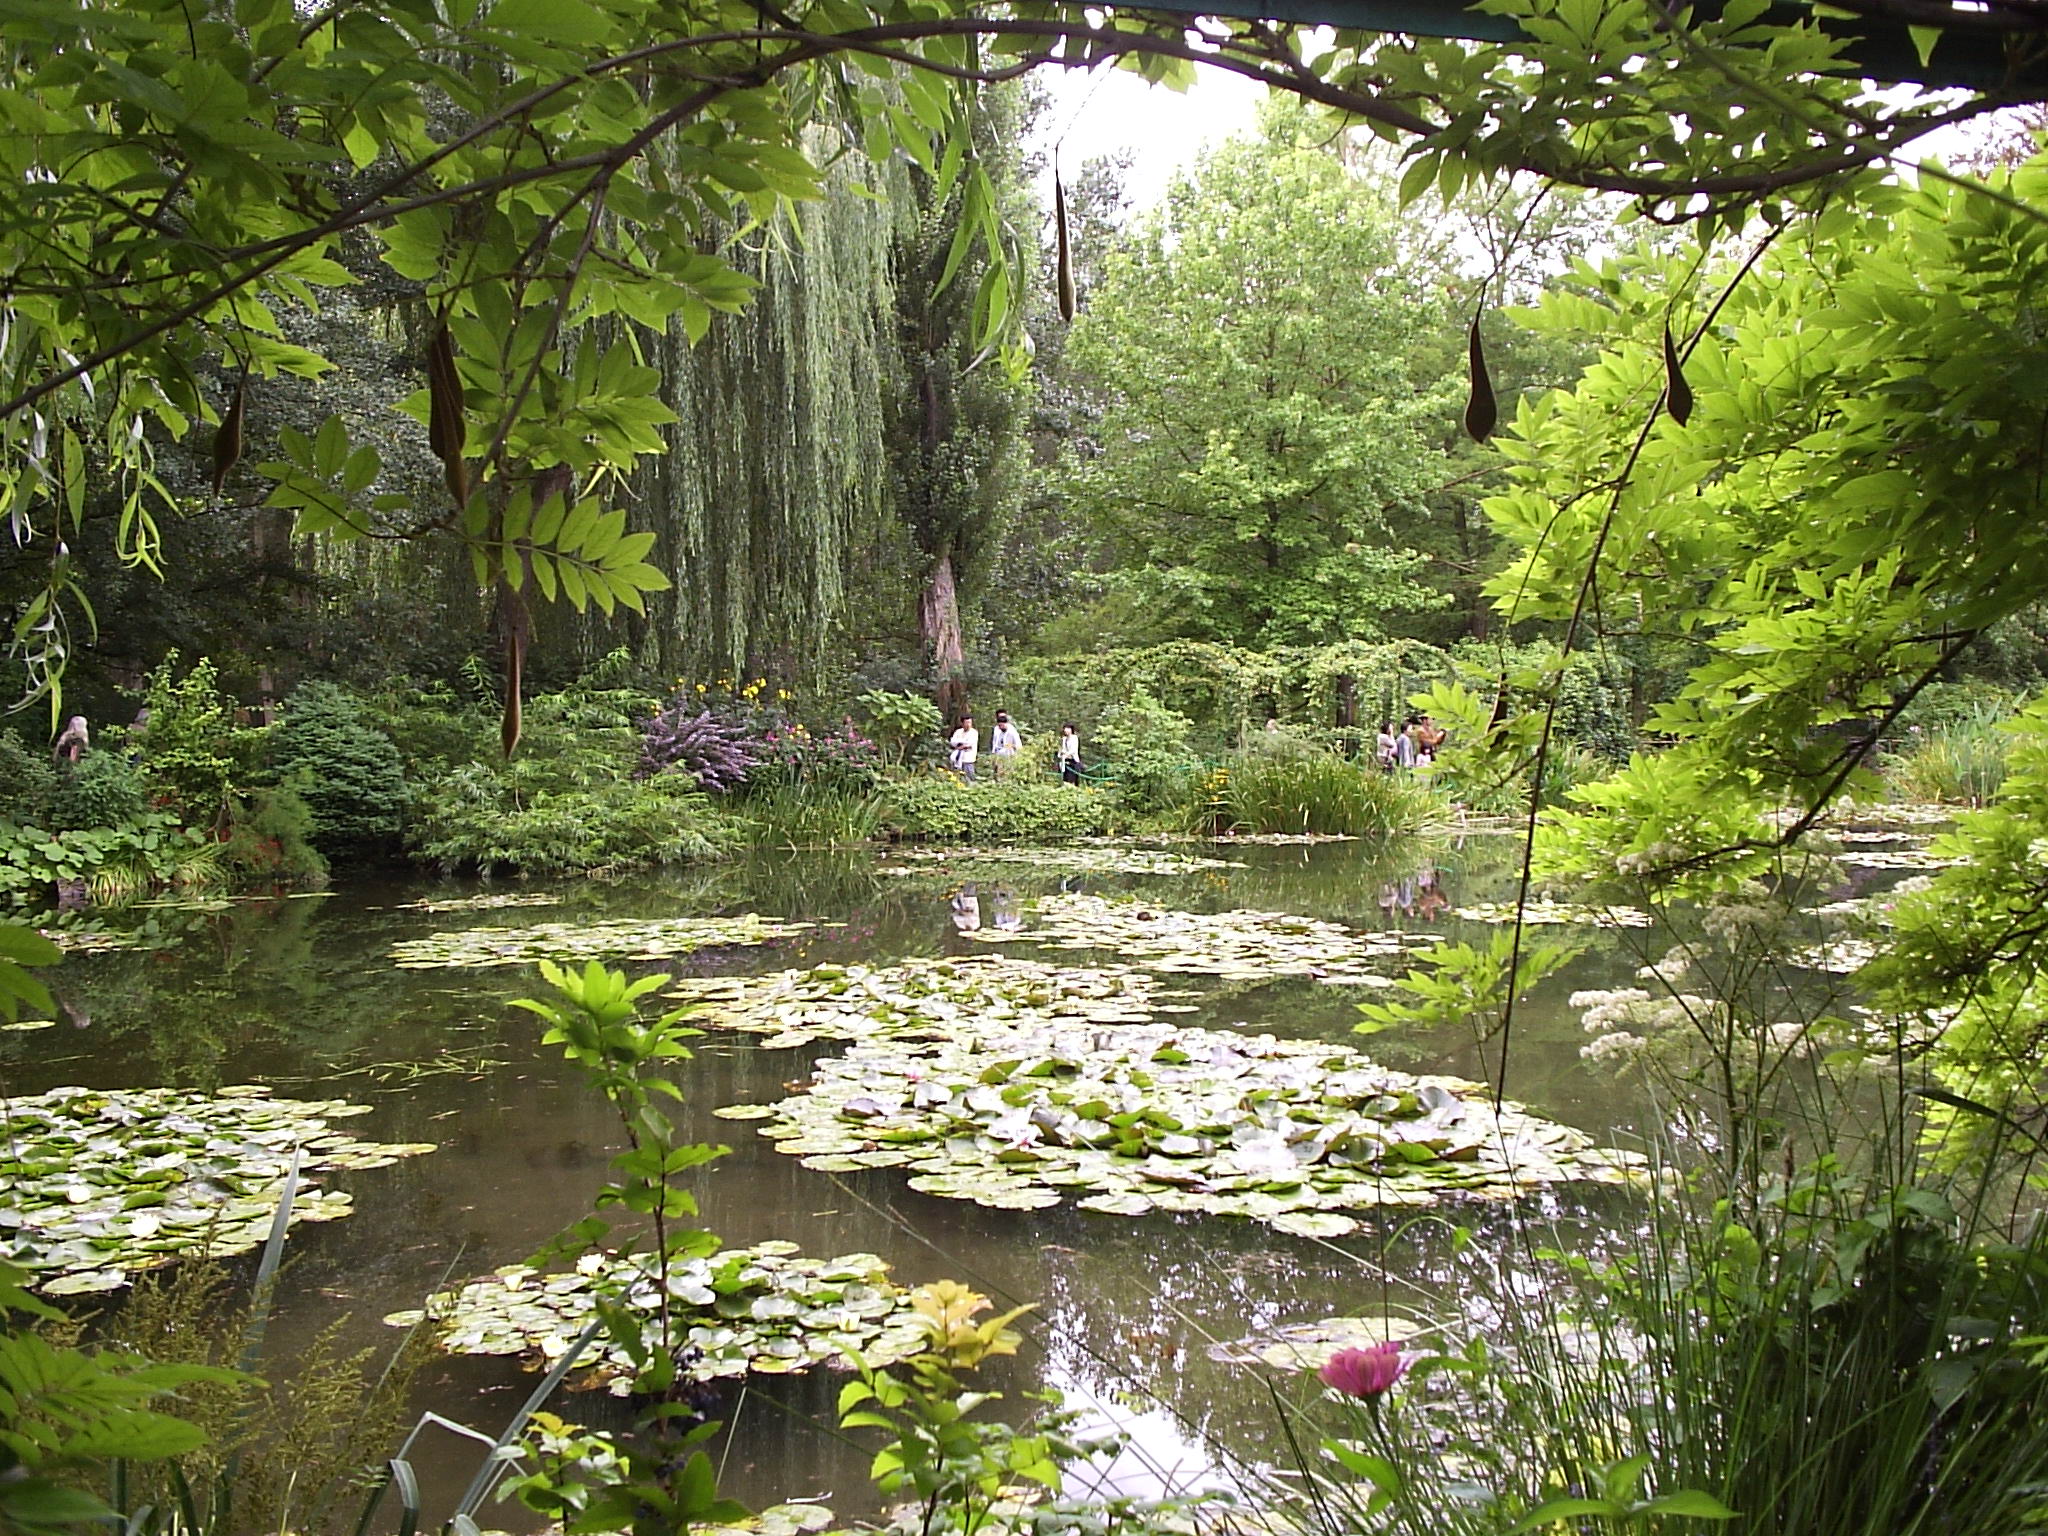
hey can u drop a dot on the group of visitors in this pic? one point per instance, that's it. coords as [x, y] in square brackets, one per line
[1004, 745]
[1415, 745]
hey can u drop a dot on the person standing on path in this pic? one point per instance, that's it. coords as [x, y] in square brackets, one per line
[1070, 755]
[966, 747]
[1004, 743]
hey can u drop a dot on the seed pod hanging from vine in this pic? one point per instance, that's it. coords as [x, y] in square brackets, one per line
[1677, 393]
[447, 425]
[1481, 410]
[227, 440]
[1065, 263]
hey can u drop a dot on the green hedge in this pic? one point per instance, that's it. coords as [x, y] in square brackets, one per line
[993, 813]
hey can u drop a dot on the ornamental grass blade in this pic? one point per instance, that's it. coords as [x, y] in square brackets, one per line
[494, 1464]
[1481, 410]
[1065, 266]
[1677, 393]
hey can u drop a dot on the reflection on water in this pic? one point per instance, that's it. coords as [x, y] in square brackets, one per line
[299, 994]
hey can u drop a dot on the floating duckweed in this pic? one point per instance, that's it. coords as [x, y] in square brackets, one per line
[1242, 946]
[762, 1309]
[1550, 912]
[1149, 1117]
[855, 1002]
[98, 1185]
[618, 939]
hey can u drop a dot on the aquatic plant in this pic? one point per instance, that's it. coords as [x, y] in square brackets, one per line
[763, 1309]
[1132, 1118]
[98, 1184]
[623, 938]
[1060, 859]
[858, 1002]
[1543, 913]
[1236, 945]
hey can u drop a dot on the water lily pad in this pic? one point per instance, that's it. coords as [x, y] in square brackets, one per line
[616, 939]
[1065, 859]
[764, 1308]
[97, 1185]
[1309, 1346]
[1236, 946]
[1024, 1113]
[1554, 912]
[486, 903]
[857, 1002]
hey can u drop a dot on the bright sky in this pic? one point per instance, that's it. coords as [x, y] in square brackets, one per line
[1109, 109]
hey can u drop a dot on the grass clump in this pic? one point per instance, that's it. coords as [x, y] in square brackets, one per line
[1308, 792]
[1962, 762]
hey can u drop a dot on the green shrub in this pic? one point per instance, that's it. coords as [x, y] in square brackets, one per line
[510, 817]
[185, 746]
[27, 779]
[269, 840]
[1145, 746]
[950, 811]
[103, 790]
[900, 721]
[345, 770]
[1265, 790]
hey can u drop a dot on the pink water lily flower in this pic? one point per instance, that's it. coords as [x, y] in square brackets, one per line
[1366, 1372]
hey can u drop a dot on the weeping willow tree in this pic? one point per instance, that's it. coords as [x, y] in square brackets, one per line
[955, 439]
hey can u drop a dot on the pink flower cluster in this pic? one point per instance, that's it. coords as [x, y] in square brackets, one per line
[1365, 1373]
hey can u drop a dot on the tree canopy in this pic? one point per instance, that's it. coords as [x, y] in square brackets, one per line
[1270, 349]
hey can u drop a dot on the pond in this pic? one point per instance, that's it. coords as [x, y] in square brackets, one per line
[303, 995]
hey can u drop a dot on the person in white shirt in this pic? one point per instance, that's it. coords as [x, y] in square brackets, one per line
[966, 744]
[1004, 743]
[1070, 755]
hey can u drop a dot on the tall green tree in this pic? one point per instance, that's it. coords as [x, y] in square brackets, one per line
[1270, 350]
[955, 439]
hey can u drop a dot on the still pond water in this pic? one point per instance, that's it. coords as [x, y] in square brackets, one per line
[300, 994]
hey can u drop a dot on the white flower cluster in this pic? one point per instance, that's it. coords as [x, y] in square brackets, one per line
[1627, 1020]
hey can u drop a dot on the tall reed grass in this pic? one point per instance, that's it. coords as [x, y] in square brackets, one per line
[1961, 763]
[1308, 792]
[801, 816]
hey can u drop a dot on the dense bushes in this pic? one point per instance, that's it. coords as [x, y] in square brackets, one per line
[989, 812]
[513, 817]
[345, 771]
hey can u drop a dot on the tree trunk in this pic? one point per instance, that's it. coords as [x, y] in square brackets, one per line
[1347, 702]
[938, 623]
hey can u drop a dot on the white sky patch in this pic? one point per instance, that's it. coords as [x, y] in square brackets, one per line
[1104, 110]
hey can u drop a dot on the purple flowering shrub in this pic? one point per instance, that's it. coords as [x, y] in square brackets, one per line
[715, 750]
[725, 746]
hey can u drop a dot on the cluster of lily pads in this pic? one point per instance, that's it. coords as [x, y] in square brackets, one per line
[97, 1185]
[1298, 1347]
[763, 1309]
[1151, 1117]
[97, 941]
[490, 902]
[1895, 858]
[1234, 945]
[659, 938]
[1554, 912]
[855, 1002]
[1086, 859]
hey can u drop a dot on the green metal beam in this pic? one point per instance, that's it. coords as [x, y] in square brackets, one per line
[1970, 54]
